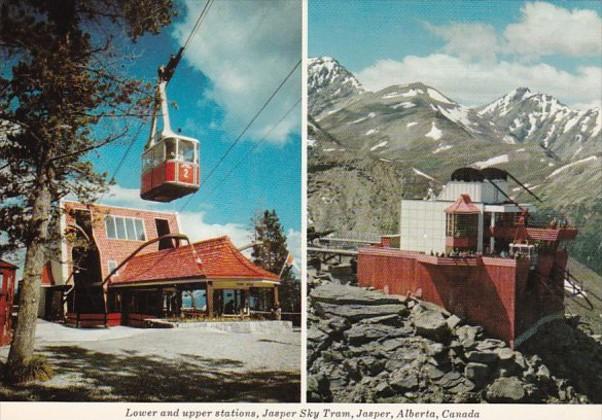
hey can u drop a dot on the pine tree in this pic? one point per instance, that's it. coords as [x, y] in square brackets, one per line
[61, 97]
[271, 252]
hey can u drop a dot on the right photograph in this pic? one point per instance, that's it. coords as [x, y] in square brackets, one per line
[454, 193]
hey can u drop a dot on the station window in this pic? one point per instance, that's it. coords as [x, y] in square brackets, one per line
[128, 228]
[112, 265]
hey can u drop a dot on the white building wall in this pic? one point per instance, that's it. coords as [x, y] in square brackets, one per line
[453, 189]
[479, 192]
[422, 225]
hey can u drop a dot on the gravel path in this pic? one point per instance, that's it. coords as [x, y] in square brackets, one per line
[129, 364]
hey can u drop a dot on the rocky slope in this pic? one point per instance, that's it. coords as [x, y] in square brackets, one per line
[404, 139]
[364, 346]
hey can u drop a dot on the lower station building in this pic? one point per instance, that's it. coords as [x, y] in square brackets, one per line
[124, 266]
[7, 294]
[477, 253]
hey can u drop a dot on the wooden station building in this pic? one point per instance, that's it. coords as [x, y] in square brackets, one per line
[122, 266]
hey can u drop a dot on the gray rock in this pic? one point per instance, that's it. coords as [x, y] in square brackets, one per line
[453, 321]
[543, 373]
[356, 313]
[504, 353]
[506, 390]
[435, 349]
[393, 320]
[467, 335]
[477, 373]
[383, 389]
[490, 344]
[391, 344]
[431, 324]
[348, 295]
[482, 356]
[462, 387]
[371, 366]
[433, 372]
[404, 380]
[338, 324]
[450, 379]
[363, 333]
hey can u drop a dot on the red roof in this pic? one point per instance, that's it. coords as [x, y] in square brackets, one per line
[212, 259]
[463, 205]
[4, 264]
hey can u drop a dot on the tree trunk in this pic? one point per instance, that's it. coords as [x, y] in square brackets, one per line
[21, 349]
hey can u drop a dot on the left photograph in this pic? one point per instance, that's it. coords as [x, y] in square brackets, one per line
[150, 200]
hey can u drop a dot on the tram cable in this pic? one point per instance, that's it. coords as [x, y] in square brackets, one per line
[252, 149]
[242, 133]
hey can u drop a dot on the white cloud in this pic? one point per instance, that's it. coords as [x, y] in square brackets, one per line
[468, 40]
[246, 49]
[194, 225]
[293, 240]
[546, 29]
[477, 83]
[125, 197]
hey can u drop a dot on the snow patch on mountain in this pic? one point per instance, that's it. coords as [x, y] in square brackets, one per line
[505, 158]
[442, 147]
[379, 145]
[405, 105]
[438, 97]
[418, 172]
[570, 165]
[362, 119]
[435, 133]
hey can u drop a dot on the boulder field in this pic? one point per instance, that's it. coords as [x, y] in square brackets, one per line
[365, 346]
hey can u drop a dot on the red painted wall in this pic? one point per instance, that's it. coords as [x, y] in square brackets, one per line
[492, 292]
[7, 294]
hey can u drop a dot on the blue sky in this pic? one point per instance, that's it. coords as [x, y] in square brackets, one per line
[233, 64]
[474, 51]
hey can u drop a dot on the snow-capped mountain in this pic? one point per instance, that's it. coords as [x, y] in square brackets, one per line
[329, 82]
[539, 118]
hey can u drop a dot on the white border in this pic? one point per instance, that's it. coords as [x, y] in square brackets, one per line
[304, 55]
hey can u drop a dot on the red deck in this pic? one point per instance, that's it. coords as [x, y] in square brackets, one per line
[498, 293]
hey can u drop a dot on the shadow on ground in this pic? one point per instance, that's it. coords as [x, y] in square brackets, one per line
[570, 354]
[134, 377]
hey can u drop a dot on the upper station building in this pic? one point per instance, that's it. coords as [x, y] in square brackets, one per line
[121, 266]
[478, 253]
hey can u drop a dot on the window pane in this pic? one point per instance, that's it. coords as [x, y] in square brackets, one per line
[139, 230]
[157, 155]
[110, 225]
[131, 232]
[147, 161]
[170, 148]
[1, 281]
[186, 151]
[120, 223]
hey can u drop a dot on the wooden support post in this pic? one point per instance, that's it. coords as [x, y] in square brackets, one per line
[178, 301]
[209, 299]
[276, 297]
